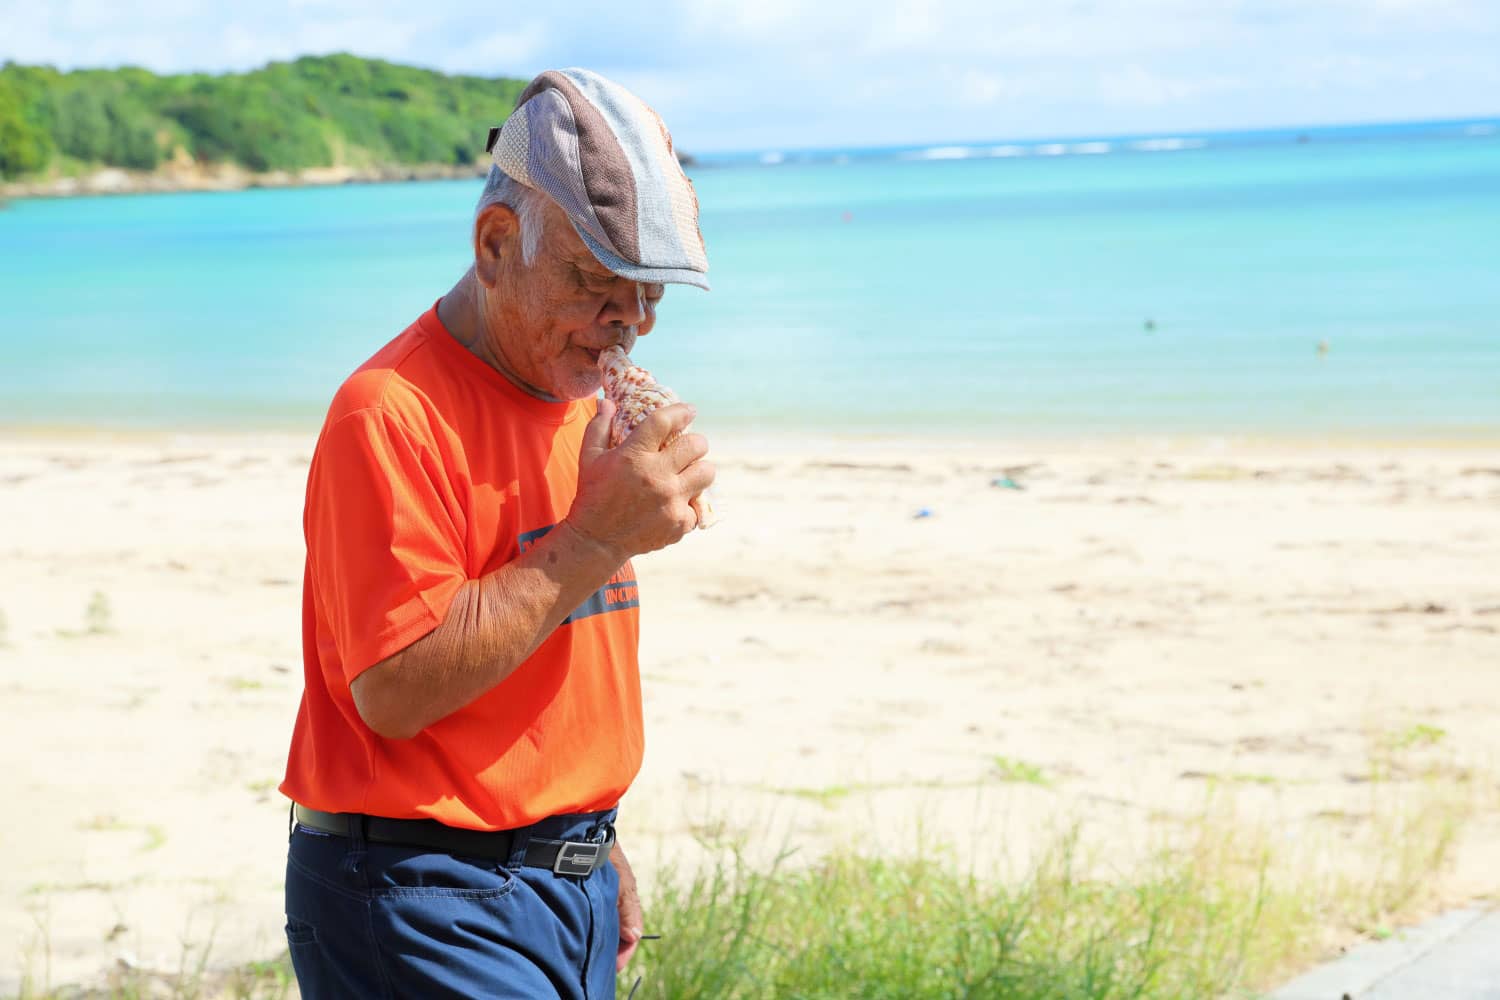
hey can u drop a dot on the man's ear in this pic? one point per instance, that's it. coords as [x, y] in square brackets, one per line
[496, 233]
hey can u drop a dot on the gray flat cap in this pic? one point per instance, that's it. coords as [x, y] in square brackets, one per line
[605, 157]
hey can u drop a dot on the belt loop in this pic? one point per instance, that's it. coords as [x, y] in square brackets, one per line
[519, 838]
[353, 865]
[355, 823]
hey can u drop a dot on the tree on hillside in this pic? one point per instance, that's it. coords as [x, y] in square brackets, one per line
[310, 112]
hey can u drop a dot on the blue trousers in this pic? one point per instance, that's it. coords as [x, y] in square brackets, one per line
[387, 921]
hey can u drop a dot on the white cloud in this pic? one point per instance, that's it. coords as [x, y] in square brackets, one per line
[1135, 85]
[976, 87]
[495, 53]
[911, 27]
[737, 74]
[972, 87]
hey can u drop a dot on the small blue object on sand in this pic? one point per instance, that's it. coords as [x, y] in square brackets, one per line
[1006, 483]
[923, 512]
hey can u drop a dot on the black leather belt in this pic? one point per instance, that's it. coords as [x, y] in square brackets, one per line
[565, 857]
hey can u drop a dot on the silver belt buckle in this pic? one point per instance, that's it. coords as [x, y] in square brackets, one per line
[577, 857]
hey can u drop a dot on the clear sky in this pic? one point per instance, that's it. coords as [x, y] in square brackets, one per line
[769, 74]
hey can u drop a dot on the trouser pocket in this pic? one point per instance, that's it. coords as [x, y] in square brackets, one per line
[307, 959]
[328, 924]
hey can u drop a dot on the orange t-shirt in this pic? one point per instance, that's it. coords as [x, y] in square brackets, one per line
[432, 469]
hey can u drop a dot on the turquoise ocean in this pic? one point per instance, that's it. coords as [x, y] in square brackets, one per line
[1150, 284]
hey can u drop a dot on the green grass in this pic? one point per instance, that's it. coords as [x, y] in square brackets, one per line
[97, 616]
[1216, 473]
[156, 837]
[1221, 907]
[1418, 735]
[267, 980]
[1409, 753]
[1010, 769]
[1221, 910]
[98, 619]
[832, 796]
[103, 822]
[1234, 777]
[855, 927]
[828, 796]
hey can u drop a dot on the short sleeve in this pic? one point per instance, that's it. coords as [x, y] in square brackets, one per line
[385, 550]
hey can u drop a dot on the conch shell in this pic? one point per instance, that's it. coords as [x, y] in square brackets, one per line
[636, 393]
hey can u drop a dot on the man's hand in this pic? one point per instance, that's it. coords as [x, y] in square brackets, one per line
[631, 499]
[636, 498]
[631, 925]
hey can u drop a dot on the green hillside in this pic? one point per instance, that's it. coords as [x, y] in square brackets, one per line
[317, 111]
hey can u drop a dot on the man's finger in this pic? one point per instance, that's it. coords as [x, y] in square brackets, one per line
[596, 434]
[660, 425]
[686, 450]
[631, 927]
[698, 477]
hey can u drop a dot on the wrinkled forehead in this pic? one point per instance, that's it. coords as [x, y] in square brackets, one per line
[563, 241]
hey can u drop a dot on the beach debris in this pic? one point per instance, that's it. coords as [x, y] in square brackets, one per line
[1006, 483]
[636, 393]
[1322, 348]
[922, 512]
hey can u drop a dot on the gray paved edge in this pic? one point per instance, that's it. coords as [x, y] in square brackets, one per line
[1454, 956]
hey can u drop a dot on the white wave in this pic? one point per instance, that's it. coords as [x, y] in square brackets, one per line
[1167, 145]
[944, 153]
[1007, 151]
[1051, 149]
[772, 158]
[1090, 148]
[1481, 130]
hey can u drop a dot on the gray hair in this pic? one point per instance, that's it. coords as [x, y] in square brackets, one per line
[527, 202]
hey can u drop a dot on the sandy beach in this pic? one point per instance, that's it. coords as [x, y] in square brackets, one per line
[970, 642]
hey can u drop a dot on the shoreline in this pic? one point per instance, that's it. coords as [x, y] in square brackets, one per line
[935, 442]
[228, 177]
[218, 177]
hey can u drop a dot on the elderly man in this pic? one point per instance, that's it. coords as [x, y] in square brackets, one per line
[471, 713]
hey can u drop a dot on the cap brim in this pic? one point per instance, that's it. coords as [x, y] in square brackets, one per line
[642, 272]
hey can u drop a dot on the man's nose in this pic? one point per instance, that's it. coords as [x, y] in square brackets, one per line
[626, 305]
